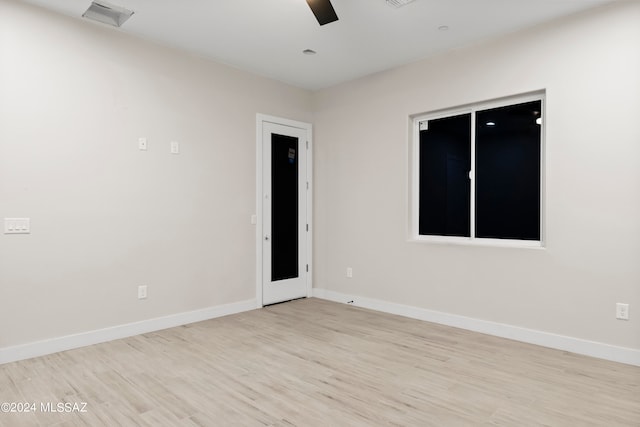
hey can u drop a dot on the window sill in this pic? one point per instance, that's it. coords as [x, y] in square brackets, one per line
[466, 241]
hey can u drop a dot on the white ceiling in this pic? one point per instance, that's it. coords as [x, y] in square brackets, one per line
[268, 36]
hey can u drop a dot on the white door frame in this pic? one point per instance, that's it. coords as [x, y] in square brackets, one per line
[260, 120]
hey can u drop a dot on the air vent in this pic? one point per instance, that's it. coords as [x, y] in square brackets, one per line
[107, 13]
[398, 3]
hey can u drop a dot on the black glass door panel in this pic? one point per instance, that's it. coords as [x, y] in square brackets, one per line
[284, 207]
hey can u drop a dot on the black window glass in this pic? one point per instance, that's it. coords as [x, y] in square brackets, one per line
[507, 172]
[444, 187]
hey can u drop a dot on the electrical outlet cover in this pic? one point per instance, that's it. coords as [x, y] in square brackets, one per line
[622, 311]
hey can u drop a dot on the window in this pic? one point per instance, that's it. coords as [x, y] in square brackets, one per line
[478, 173]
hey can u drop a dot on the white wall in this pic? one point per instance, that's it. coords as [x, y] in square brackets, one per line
[106, 217]
[589, 65]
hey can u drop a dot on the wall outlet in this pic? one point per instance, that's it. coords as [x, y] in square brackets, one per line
[17, 225]
[142, 292]
[622, 311]
[175, 147]
[349, 272]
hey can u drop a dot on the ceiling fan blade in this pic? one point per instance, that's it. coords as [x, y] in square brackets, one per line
[323, 10]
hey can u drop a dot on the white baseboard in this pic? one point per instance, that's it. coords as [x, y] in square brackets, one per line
[561, 342]
[69, 342]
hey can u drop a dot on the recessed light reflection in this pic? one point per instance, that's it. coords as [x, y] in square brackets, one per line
[490, 123]
[539, 121]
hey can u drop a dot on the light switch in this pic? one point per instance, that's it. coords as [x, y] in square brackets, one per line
[175, 147]
[17, 226]
[142, 144]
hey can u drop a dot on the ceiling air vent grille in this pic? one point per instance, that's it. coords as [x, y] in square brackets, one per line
[398, 3]
[107, 13]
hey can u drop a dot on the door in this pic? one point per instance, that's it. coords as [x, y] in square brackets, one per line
[285, 207]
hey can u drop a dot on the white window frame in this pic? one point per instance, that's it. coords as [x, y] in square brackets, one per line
[414, 162]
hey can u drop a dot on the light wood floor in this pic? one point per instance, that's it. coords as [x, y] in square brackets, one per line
[316, 363]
